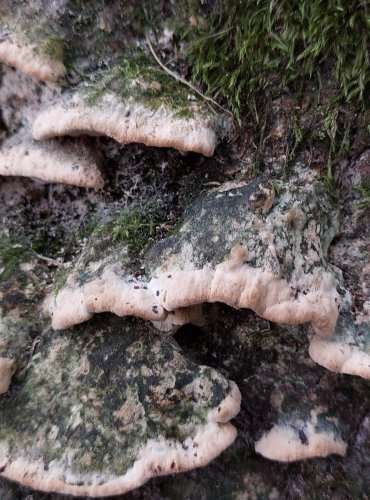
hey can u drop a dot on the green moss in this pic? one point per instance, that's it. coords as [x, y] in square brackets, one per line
[135, 229]
[132, 228]
[53, 48]
[237, 49]
[60, 279]
[137, 78]
[364, 190]
[93, 227]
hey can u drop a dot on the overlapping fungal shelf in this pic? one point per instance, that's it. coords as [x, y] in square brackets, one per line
[126, 122]
[129, 345]
[118, 106]
[50, 161]
[297, 439]
[20, 53]
[347, 351]
[229, 249]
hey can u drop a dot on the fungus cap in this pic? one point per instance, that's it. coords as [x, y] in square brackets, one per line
[7, 370]
[161, 413]
[25, 57]
[126, 122]
[223, 252]
[50, 161]
[347, 351]
[298, 440]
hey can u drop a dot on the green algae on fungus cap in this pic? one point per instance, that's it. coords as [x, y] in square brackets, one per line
[347, 351]
[131, 109]
[104, 278]
[21, 293]
[241, 245]
[50, 161]
[22, 54]
[251, 247]
[100, 411]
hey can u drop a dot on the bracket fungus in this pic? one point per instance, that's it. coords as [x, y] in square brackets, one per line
[112, 400]
[298, 411]
[130, 109]
[7, 370]
[71, 432]
[298, 439]
[229, 249]
[50, 161]
[27, 58]
[20, 100]
[240, 247]
[126, 123]
[347, 351]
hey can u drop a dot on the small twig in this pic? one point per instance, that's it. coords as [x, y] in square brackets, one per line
[48, 260]
[182, 80]
[212, 184]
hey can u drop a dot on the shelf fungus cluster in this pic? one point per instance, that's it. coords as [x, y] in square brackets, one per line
[96, 394]
[126, 103]
[50, 161]
[126, 122]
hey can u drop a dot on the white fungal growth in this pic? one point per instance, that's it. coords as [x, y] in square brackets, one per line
[127, 122]
[298, 440]
[7, 369]
[347, 351]
[232, 282]
[24, 56]
[50, 161]
[158, 457]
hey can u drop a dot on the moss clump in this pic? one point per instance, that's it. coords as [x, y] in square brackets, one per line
[238, 47]
[364, 190]
[133, 228]
[136, 78]
[53, 47]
